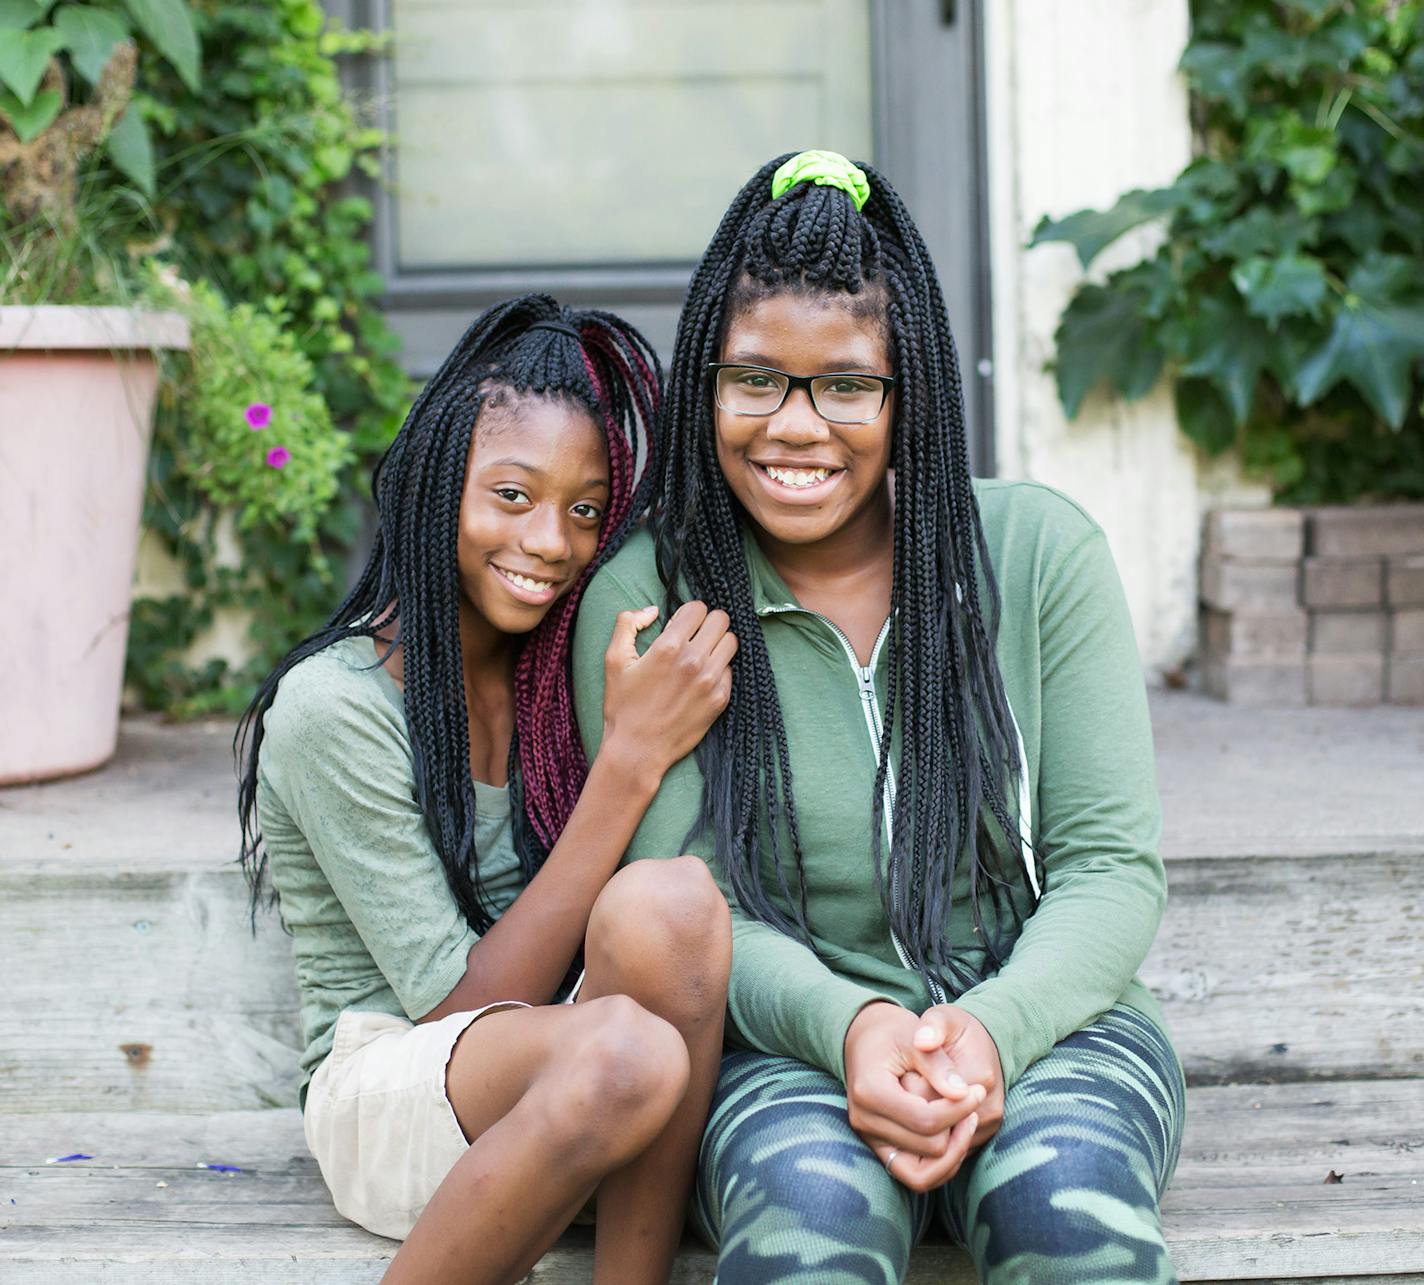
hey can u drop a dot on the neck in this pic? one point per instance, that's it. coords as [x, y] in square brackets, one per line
[487, 655]
[862, 550]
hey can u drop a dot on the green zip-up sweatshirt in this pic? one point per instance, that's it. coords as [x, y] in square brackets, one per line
[1074, 681]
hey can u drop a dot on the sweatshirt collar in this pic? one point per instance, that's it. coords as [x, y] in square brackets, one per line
[769, 591]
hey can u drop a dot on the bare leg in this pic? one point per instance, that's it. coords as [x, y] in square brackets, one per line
[660, 933]
[552, 1099]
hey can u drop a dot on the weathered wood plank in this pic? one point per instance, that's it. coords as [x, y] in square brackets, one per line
[1275, 970]
[1249, 1202]
[143, 990]
[1294, 969]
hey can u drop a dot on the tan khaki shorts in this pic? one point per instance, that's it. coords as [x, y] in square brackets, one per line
[377, 1118]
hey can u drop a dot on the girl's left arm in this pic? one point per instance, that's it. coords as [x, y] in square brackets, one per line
[1097, 824]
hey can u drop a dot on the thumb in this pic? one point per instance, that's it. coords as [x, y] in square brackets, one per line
[622, 646]
[936, 1029]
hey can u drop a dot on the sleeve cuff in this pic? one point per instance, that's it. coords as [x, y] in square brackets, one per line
[1020, 1031]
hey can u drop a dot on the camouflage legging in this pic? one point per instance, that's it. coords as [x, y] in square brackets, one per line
[1065, 1193]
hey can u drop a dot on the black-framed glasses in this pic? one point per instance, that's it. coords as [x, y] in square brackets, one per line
[843, 397]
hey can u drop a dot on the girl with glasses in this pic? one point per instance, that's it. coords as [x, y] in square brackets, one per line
[930, 801]
[445, 855]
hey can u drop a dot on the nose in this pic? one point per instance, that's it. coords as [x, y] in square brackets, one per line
[797, 420]
[545, 534]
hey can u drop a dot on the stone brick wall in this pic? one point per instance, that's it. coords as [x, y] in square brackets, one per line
[1315, 606]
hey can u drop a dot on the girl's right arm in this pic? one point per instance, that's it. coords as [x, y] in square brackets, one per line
[656, 708]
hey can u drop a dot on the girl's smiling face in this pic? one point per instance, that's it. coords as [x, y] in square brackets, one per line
[536, 487]
[774, 463]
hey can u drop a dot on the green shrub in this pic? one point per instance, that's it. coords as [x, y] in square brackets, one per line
[255, 437]
[254, 191]
[1287, 297]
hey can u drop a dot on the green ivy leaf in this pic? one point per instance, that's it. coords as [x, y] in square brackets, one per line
[1306, 152]
[1336, 192]
[20, 14]
[1374, 346]
[29, 121]
[1377, 275]
[24, 55]
[1287, 286]
[91, 35]
[1261, 230]
[1218, 70]
[130, 148]
[1316, 10]
[1105, 335]
[1361, 225]
[1228, 347]
[169, 25]
[1091, 231]
[1204, 417]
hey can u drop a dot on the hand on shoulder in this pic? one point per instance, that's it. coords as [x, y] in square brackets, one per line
[658, 706]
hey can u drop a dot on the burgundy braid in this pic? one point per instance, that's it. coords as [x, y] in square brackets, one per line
[551, 757]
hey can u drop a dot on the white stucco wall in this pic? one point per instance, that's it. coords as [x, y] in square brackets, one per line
[1085, 103]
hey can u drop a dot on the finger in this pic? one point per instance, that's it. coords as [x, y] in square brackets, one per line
[938, 1068]
[723, 652]
[711, 631]
[883, 1105]
[684, 623]
[925, 1173]
[623, 646]
[921, 1140]
[914, 1082]
[933, 1032]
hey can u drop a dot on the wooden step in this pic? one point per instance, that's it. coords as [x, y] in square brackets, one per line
[1250, 1200]
[145, 989]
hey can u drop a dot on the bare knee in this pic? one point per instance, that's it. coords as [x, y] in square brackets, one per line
[664, 926]
[618, 1082]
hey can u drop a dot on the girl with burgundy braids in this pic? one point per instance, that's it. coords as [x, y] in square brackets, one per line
[444, 855]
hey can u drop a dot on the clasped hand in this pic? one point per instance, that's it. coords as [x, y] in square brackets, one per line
[929, 1088]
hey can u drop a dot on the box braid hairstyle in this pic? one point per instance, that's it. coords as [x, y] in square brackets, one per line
[528, 347]
[959, 745]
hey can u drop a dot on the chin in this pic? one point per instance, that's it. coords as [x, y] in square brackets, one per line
[804, 528]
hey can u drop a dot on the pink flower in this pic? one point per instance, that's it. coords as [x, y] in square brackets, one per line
[259, 415]
[278, 456]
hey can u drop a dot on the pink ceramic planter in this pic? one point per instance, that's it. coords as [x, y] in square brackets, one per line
[77, 387]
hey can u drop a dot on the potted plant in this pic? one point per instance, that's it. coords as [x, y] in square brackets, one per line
[79, 367]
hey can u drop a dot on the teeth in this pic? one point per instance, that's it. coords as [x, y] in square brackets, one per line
[798, 476]
[524, 582]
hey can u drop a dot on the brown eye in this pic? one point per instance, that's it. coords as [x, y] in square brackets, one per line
[511, 494]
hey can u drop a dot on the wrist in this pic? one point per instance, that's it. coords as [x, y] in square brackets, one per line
[862, 1021]
[625, 767]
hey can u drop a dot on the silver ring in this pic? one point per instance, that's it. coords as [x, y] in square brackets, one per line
[890, 1160]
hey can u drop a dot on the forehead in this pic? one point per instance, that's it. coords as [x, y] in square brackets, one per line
[543, 434]
[805, 334]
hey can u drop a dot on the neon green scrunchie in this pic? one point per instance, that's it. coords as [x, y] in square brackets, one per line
[828, 169]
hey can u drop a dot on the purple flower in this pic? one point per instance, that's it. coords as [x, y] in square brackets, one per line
[278, 456]
[259, 415]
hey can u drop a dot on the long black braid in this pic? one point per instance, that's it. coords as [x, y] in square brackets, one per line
[960, 755]
[527, 347]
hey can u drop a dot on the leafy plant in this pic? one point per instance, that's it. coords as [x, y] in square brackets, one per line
[1287, 296]
[255, 194]
[256, 438]
[48, 55]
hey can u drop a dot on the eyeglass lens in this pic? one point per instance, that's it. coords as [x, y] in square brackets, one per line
[842, 399]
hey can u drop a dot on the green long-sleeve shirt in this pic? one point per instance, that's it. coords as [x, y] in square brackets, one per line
[1074, 681]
